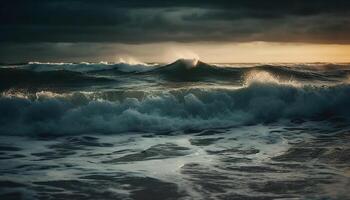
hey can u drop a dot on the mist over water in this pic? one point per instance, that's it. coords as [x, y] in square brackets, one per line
[184, 130]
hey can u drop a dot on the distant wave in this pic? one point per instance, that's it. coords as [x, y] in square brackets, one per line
[170, 110]
[182, 71]
[88, 67]
[122, 68]
[14, 77]
[192, 70]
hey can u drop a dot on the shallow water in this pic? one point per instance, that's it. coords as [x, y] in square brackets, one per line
[119, 131]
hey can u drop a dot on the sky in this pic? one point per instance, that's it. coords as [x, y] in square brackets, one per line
[219, 31]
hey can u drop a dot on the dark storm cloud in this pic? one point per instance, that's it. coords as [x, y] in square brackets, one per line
[184, 21]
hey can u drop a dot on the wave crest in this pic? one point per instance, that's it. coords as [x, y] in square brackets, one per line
[173, 110]
[258, 76]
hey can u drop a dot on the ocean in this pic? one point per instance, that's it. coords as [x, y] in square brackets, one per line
[184, 130]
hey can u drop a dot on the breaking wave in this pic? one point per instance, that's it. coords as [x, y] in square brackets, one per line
[180, 71]
[193, 70]
[172, 110]
[138, 97]
[186, 70]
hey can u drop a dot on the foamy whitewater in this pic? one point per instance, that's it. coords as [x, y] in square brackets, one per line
[185, 130]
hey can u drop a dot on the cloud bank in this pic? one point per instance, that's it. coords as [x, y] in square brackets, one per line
[34, 24]
[182, 21]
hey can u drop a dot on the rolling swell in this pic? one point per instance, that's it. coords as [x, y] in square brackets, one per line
[184, 70]
[287, 73]
[171, 110]
[192, 70]
[179, 71]
[23, 78]
[261, 94]
[88, 67]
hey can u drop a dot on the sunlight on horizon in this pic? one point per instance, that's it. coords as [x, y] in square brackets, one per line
[252, 52]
